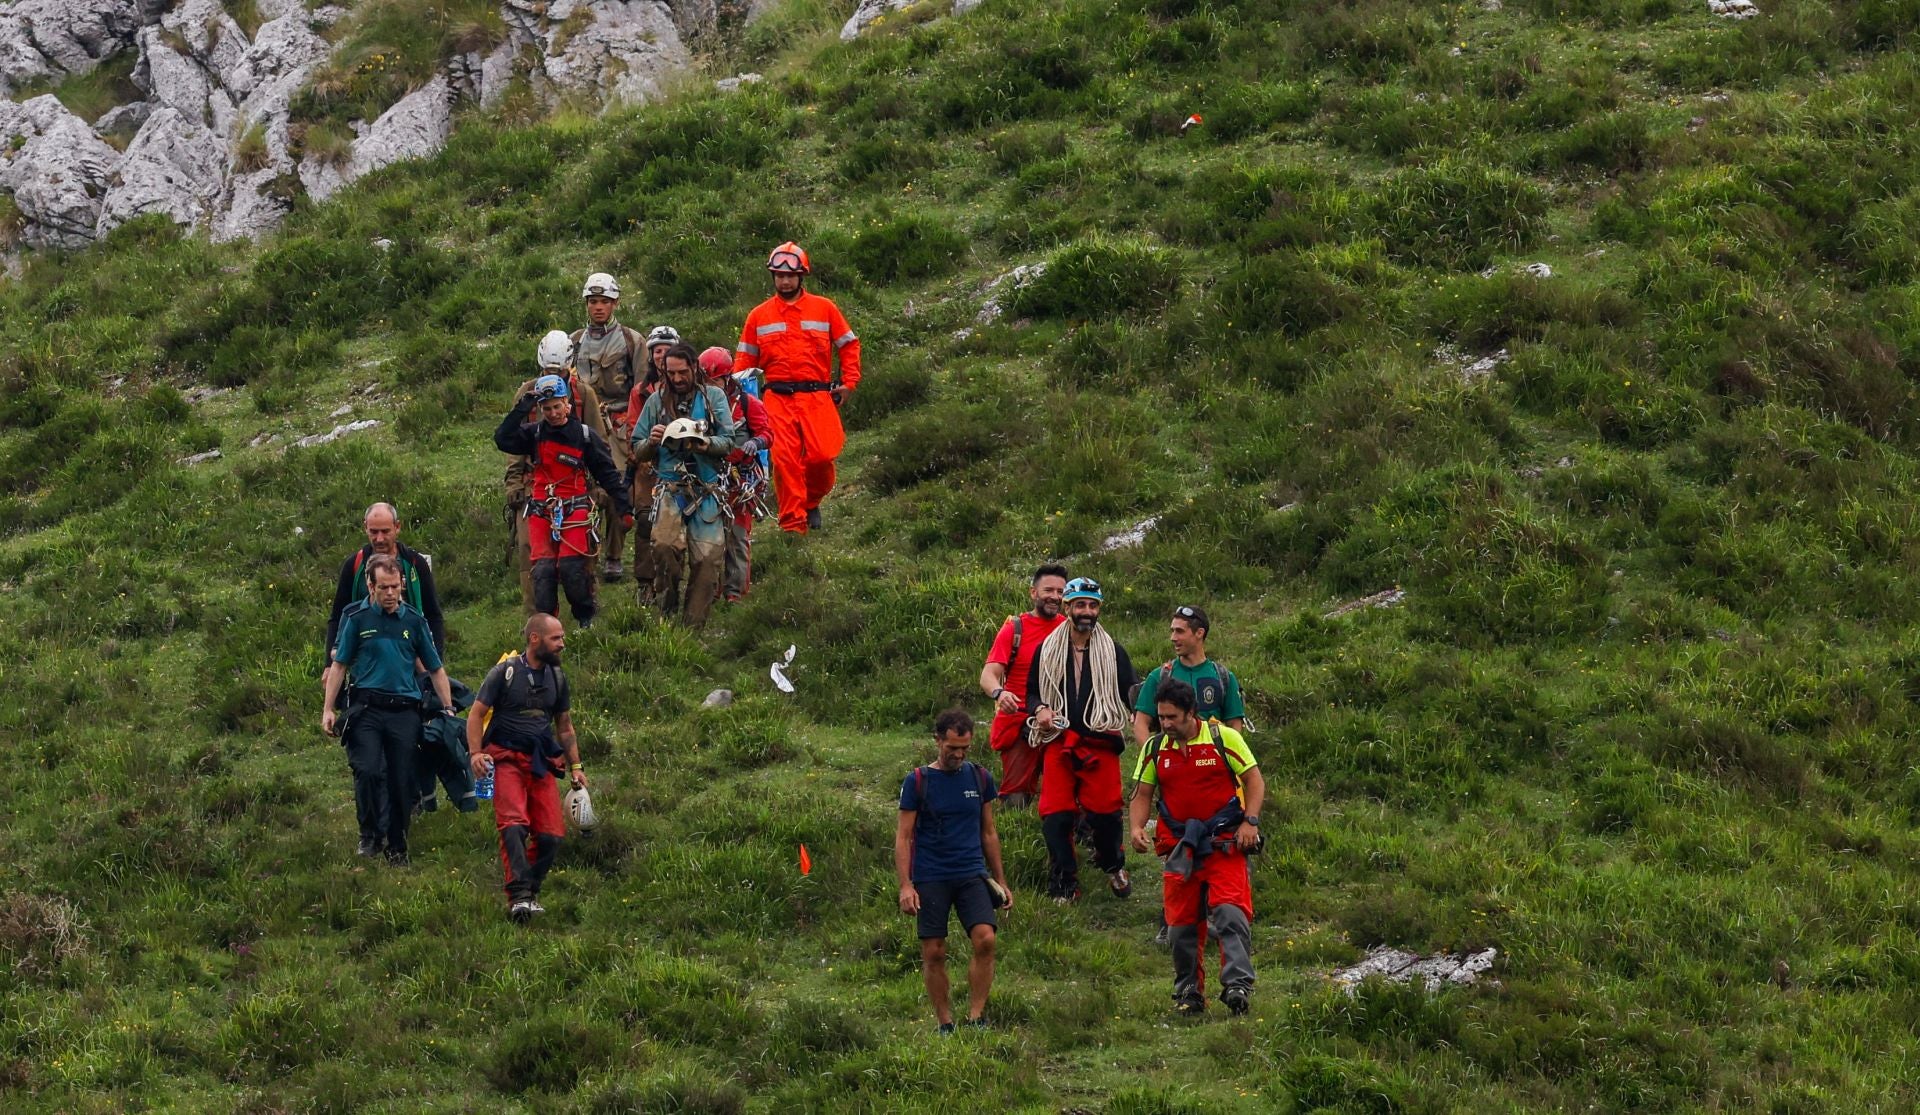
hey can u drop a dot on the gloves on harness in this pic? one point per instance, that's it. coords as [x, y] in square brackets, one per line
[627, 520]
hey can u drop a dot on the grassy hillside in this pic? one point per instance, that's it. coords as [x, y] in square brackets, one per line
[1644, 721]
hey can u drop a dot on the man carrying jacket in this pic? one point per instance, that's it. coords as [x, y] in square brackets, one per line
[566, 453]
[382, 524]
[1209, 793]
[795, 338]
[520, 724]
[685, 431]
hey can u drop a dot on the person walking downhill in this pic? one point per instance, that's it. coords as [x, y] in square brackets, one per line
[1077, 690]
[686, 431]
[1004, 680]
[383, 644]
[946, 853]
[382, 524]
[795, 337]
[611, 358]
[1214, 686]
[566, 453]
[746, 480]
[1208, 791]
[530, 726]
[553, 356]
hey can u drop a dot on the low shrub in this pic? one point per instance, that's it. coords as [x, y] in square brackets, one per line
[1099, 279]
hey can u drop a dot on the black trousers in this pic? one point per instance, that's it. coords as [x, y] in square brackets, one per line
[380, 747]
[1063, 867]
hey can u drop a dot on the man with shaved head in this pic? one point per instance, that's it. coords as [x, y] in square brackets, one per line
[519, 730]
[382, 525]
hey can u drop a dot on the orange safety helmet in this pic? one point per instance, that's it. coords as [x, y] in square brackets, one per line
[716, 361]
[789, 257]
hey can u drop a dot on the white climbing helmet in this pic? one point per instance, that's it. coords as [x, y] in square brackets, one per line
[580, 809]
[600, 285]
[685, 433]
[555, 350]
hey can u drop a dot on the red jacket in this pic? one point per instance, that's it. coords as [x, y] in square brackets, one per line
[798, 341]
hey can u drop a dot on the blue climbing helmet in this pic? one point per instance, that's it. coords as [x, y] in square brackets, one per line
[550, 387]
[1082, 588]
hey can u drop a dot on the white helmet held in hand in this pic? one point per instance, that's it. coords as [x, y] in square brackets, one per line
[556, 350]
[580, 809]
[600, 285]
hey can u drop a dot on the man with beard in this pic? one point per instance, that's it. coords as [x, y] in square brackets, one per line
[745, 479]
[1004, 680]
[685, 432]
[1209, 793]
[1077, 690]
[381, 644]
[565, 454]
[519, 724]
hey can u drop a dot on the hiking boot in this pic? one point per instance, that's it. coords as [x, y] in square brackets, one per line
[813, 518]
[614, 571]
[1236, 999]
[946, 1029]
[1189, 1006]
[1120, 883]
[397, 857]
[1160, 938]
[369, 846]
[520, 913]
[976, 1023]
[534, 907]
[1067, 899]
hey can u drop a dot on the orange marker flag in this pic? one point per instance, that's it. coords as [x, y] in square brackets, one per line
[806, 861]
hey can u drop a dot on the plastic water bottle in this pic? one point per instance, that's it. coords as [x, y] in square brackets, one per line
[483, 787]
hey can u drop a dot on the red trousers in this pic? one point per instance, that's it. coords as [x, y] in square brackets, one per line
[1222, 875]
[574, 540]
[520, 798]
[1019, 764]
[807, 437]
[1077, 775]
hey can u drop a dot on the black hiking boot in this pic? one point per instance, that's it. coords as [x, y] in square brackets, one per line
[813, 518]
[369, 846]
[1191, 1006]
[1236, 999]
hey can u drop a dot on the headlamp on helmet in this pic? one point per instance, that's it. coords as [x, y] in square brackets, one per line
[1082, 588]
[550, 387]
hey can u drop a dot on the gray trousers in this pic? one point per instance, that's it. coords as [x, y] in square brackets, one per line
[1228, 925]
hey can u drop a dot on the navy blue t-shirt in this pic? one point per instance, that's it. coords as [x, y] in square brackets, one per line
[946, 830]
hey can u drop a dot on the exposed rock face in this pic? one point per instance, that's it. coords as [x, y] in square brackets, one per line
[211, 143]
[46, 40]
[871, 11]
[56, 168]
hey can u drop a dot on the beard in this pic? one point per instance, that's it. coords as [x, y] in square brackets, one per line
[1085, 624]
[1047, 609]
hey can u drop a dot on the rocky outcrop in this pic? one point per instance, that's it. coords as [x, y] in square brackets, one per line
[46, 40]
[212, 145]
[56, 168]
[871, 12]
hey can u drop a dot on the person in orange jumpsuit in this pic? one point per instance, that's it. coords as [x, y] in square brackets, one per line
[794, 339]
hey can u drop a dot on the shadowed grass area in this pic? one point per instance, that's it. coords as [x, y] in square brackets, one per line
[1639, 720]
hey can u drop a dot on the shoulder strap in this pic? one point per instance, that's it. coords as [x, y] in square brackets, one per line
[359, 556]
[980, 776]
[1015, 656]
[1166, 673]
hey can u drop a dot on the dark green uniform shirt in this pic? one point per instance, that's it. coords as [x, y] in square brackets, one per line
[378, 649]
[1217, 690]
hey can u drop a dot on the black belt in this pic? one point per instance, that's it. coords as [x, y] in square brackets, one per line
[389, 702]
[797, 387]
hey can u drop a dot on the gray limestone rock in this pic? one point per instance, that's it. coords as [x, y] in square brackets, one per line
[44, 40]
[176, 166]
[873, 11]
[57, 170]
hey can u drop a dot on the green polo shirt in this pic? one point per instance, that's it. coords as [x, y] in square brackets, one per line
[1217, 689]
[378, 649]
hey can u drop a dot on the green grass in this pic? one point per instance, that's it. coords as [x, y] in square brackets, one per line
[1641, 722]
[92, 94]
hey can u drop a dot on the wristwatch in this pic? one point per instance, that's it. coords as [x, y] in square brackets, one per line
[1253, 819]
[995, 695]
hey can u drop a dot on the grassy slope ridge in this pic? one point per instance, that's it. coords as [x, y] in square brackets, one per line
[1643, 722]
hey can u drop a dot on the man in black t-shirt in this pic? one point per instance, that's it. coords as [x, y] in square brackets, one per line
[521, 721]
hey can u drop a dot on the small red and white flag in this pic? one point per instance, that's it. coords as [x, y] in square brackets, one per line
[1190, 122]
[806, 861]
